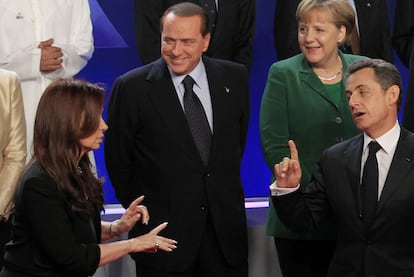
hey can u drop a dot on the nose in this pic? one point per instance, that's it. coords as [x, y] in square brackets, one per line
[309, 36]
[177, 48]
[102, 125]
[352, 100]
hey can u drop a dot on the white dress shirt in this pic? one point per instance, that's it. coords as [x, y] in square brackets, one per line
[201, 89]
[388, 143]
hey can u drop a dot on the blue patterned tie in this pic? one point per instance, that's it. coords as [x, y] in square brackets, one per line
[197, 120]
[369, 186]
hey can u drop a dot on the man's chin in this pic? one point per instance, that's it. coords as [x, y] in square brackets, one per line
[179, 70]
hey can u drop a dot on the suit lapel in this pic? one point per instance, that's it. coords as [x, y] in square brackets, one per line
[352, 157]
[308, 77]
[401, 164]
[165, 100]
[218, 89]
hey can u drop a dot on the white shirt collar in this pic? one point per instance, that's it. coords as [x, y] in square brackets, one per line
[387, 140]
[196, 74]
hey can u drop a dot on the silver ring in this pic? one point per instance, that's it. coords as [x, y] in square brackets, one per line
[157, 245]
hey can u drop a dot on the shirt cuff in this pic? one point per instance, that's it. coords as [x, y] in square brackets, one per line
[278, 191]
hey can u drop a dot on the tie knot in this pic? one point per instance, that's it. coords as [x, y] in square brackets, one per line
[188, 83]
[374, 147]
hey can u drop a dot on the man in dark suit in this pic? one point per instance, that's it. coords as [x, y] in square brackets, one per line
[372, 24]
[232, 32]
[404, 47]
[152, 149]
[368, 195]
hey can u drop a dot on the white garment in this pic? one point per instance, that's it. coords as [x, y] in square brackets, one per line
[388, 143]
[201, 89]
[23, 25]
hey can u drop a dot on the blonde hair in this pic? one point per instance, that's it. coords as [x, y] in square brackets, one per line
[342, 13]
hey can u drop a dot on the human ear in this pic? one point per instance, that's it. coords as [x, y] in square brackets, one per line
[393, 94]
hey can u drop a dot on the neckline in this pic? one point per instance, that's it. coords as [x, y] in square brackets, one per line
[333, 77]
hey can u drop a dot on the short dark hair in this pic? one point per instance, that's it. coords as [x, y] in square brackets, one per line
[386, 74]
[187, 9]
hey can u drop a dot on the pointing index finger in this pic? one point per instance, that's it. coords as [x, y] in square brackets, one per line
[137, 201]
[293, 151]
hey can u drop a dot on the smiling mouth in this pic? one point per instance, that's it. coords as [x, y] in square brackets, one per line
[312, 47]
[177, 61]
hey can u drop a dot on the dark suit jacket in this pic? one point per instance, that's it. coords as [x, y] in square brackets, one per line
[232, 38]
[403, 43]
[386, 249]
[149, 151]
[374, 28]
[48, 238]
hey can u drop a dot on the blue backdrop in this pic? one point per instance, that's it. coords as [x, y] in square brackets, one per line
[116, 53]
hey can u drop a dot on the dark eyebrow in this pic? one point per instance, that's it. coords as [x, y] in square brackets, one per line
[361, 86]
[357, 87]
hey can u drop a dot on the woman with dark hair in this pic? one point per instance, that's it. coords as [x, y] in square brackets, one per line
[57, 230]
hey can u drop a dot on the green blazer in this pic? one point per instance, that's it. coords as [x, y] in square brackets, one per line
[296, 105]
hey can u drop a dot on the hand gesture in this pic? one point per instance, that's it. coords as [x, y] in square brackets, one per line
[50, 57]
[132, 215]
[288, 172]
[151, 242]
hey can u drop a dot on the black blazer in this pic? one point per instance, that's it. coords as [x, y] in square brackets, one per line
[386, 249]
[149, 151]
[232, 39]
[48, 238]
[403, 43]
[374, 28]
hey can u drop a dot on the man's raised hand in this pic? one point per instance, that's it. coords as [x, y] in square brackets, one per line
[288, 171]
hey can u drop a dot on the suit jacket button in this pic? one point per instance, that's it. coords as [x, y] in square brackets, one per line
[338, 120]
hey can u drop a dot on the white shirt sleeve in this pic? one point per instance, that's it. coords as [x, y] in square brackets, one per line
[278, 191]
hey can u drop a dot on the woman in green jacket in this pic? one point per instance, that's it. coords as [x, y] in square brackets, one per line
[304, 100]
